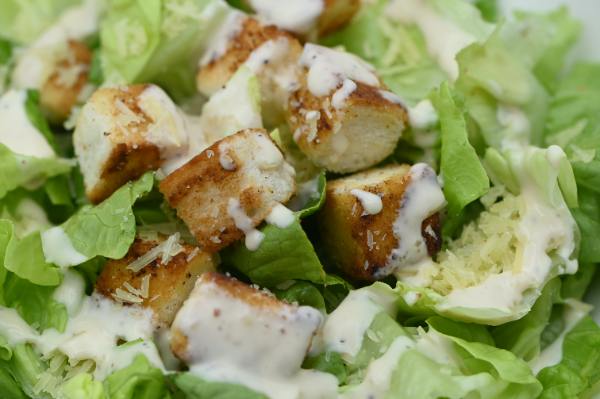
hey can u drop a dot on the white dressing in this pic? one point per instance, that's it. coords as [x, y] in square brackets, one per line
[70, 292]
[370, 202]
[280, 216]
[421, 199]
[261, 346]
[219, 42]
[236, 211]
[297, 16]
[422, 116]
[345, 327]
[16, 130]
[443, 37]
[58, 248]
[225, 159]
[340, 96]
[329, 68]
[306, 191]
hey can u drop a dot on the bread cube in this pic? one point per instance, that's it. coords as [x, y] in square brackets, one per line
[270, 53]
[169, 284]
[247, 168]
[362, 241]
[342, 116]
[123, 132]
[228, 322]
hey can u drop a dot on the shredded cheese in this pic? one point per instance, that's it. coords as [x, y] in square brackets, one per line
[145, 286]
[166, 249]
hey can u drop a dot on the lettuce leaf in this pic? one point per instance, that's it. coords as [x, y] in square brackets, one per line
[107, 229]
[302, 292]
[9, 388]
[503, 96]
[34, 303]
[138, 380]
[25, 258]
[158, 41]
[330, 362]
[24, 366]
[83, 387]
[22, 21]
[20, 170]
[35, 116]
[197, 388]
[522, 337]
[465, 180]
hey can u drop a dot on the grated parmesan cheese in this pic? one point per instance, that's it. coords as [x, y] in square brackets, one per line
[126, 296]
[166, 249]
[145, 288]
[131, 289]
[194, 253]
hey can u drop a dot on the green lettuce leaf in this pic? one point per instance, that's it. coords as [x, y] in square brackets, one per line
[575, 285]
[469, 332]
[83, 387]
[138, 380]
[465, 180]
[579, 368]
[22, 21]
[108, 229]
[25, 258]
[24, 366]
[503, 96]
[21, 170]
[9, 388]
[197, 388]
[34, 303]
[158, 41]
[561, 34]
[302, 292]
[35, 116]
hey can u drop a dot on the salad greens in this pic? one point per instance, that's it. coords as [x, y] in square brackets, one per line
[513, 135]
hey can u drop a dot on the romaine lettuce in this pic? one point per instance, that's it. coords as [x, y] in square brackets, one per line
[158, 41]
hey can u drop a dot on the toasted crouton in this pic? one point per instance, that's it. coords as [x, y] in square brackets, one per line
[364, 245]
[268, 336]
[308, 19]
[123, 132]
[62, 89]
[343, 120]
[169, 284]
[270, 53]
[246, 167]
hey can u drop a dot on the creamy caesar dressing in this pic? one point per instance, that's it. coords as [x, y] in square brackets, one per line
[444, 39]
[550, 356]
[259, 345]
[421, 199]
[329, 68]
[167, 130]
[370, 202]
[225, 159]
[340, 96]
[16, 130]
[345, 327]
[542, 228]
[71, 291]
[267, 155]
[281, 217]
[28, 217]
[297, 16]
[58, 248]
[236, 211]
[422, 116]
[40, 60]
[517, 127]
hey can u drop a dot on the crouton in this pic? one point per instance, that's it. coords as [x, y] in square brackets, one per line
[123, 132]
[246, 169]
[308, 19]
[227, 321]
[62, 89]
[342, 116]
[169, 284]
[270, 53]
[364, 242]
